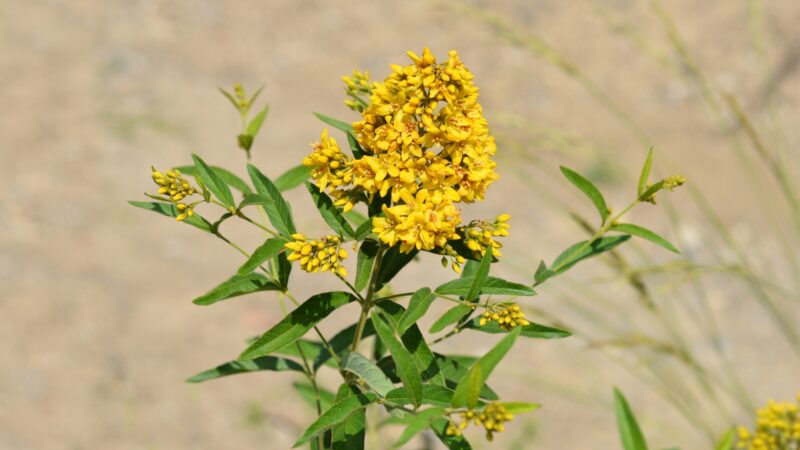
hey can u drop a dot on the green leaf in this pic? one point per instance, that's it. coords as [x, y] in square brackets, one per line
[169, 210]
[214, 182]
[264, 252]
[533, 330]
[279, 213]
[439, 428]
[338, 413]
[417, 423]
[456, 367]
[645, 175]
[292, 178]
[284, 269]
[356, 218]
[474, 383]
[589, 189]
[450, 316]
[492, 286]
[727, 440]
[631, 435]
[245, 141]
[330, 213]
[297, 323]
[364, 262]
[571, 256]
[644, 233]
[417, 307]
[649, 192]
[364, 230]
[415, 343]
[302, 348]
[542, 274]
[349, 435]
[235, 286]
[335, 123]
[229, 177]
[271, 363]
[306, 390]
[520, 407]
[367, 370]
[432, 394]
[487, 364]
[407, 369]
[255, 125]
[255, 199]
[392, 263]
[481, 274]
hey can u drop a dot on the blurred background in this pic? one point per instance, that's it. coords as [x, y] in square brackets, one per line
[98, 331]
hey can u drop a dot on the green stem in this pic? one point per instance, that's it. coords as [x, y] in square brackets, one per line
[366, 303]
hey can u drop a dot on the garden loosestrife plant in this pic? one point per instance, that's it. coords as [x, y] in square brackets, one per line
[420, 151]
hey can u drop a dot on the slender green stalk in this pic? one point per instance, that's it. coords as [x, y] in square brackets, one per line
[366, 304]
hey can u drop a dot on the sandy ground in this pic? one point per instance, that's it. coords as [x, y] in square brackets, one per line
[98, 331]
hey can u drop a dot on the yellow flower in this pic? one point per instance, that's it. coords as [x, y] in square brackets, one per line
[507, 315]
[176, 188]
[331, 166]
[777, 428]
[479, 235]
[322, 255]
[418, 223]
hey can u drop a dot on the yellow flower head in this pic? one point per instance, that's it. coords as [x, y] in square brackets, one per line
[479, 235]
[426, 147]
[777, 428]
[507, 315]
[321, 255]
[176, 187]
[331, 167]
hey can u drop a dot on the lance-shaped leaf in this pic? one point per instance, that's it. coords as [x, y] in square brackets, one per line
[520, 407]
[644, 233]
[279, 213]
[235, 286]
[364, 262]
[474, 382]
[487, 364]
[169, 210]
[365, 369]
[417, 423]
[629, 432]
[229, 177]
[532, 330]
[335, 123]
[449, 317]
[254, 199]
[264, 252]
[214, 182]
[492, 286]
[480, 277]
[255, 125]
[292, 178]
[645, 175]
[455, 367]
[330, 213]
[297, 323]
[580, 251]
[338, 413]
[341, 343]
[355, 147]
[269, 363]
[432, 394]
[407, 368]
[415, 343]
[349, 434]
[417, 307]
[589, 189]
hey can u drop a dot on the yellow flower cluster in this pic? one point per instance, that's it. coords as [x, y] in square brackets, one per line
[777, 428]
[492, 418]
[325, 254]
[177, 188]
[507, 315]
[426, 147]
[480, 234]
